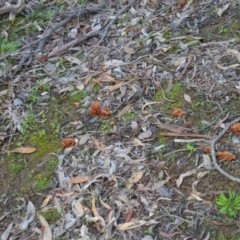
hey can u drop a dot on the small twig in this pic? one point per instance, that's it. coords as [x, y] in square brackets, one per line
[176, 134]
[66, 20]
[213, 152]
[72, 43]
[190, 58]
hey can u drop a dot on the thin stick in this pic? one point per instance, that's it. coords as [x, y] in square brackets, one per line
[190, 58]
[66, 20]
[213, 152]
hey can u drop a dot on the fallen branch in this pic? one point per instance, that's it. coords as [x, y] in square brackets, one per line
[213, 152]
[68, 19]
[68, 45]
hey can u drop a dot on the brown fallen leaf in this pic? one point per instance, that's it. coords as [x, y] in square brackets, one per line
[125, 226]
[46, 201]
[94, 210]
[105, 205]
[67, 194]
[166, 235]
[80, 179]
[226, 156]
[46, 230]
[99, 145]
[22, 150]
[136, 177]
[129, 215]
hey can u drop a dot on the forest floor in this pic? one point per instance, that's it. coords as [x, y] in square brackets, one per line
[120, 120]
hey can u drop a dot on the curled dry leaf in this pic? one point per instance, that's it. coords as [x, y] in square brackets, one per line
[80, 179]
[136, 176]
[22, 150]
[97, 111]
[99, 145]
[30, 215]
[129, 215]
[94, 210]
[182, 176]
[177, 112]
[105, 205]
[46, 230]
[226, 156]
[68, 142]
[129, 50]
[46, 201]
[125, 226]
[235, 128]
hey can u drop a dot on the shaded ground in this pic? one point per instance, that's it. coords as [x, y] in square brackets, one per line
[50, 100]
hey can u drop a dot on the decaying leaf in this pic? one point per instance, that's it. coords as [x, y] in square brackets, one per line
[160, 183]
[22, 150]
[235, 128]
[30, 215]
[235, 52]
[80, 179]
[46, 201]
[115, 87]
[66, 194]
[225, 156]
[125, 226]
[94, 210]
[128, 50]
[169, 236]
[105, 205]
[83, 139]
[124, 110]
[129, 215]
[182, 176]
[46, 230]
[99, 145]
[145, 135]
[136, 176]
[114, 63]
[223, 9]
[7, 232]
[177, 112]
[187, 98]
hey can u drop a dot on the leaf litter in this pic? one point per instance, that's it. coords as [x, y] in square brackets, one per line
[122, 175]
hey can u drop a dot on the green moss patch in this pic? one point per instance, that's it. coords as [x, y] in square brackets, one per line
[77, 96]
[51, 216]
[175, 95]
